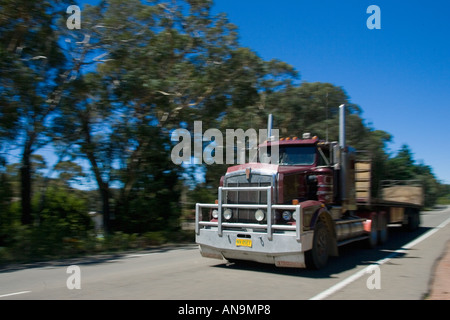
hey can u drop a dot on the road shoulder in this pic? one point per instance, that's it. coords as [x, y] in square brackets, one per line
[440, 281]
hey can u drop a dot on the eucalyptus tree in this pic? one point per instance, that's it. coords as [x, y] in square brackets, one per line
[149, 68]
[32, 76]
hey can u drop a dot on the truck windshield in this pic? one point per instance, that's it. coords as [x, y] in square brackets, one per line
[297, 155]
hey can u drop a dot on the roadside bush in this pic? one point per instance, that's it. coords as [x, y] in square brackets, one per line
[63, 222]
[63, 228]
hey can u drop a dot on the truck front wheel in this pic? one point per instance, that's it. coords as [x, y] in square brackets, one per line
[317, 257]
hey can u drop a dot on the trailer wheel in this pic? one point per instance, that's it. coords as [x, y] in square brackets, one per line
[317, 257]
[383, 232]
[413, 220]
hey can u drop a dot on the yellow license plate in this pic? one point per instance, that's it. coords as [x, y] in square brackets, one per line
[244, 243]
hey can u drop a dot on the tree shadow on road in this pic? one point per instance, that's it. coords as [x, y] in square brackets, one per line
[101, 258]
[350, 257]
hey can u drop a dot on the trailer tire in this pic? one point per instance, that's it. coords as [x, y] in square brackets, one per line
[317, 257]
[413, 220]
[383, 234]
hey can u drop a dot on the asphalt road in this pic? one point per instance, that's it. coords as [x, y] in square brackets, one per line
[401, 269]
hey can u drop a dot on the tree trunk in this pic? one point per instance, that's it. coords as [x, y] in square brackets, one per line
[25, 185]
[103, 187]
[104, 192]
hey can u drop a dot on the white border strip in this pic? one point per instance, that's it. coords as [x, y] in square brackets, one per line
[14, 294]
[369, 268]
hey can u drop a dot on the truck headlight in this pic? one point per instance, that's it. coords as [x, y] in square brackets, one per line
[287, 215]
[228, 214]
[215, 214]
[260, 215]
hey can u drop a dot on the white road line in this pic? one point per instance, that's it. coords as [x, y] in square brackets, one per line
[368, 269]
[14, 294]
[137, 255]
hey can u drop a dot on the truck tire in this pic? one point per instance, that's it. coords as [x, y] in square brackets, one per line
[317, 257]
[383, 230]
[413, 220]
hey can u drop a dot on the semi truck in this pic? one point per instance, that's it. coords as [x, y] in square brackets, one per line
[298, 211]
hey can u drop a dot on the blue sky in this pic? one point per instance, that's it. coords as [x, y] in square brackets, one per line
[399, 75]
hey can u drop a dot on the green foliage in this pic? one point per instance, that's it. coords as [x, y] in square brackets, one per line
[444, 194]
[149, 199]
[62, 228]
[64, 214]
[31, 80]
[9, 213]
[403, 167]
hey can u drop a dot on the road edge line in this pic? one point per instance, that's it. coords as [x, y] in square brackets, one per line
[13, 294]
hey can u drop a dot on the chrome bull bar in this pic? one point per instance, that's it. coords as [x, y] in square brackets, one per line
[269, 226]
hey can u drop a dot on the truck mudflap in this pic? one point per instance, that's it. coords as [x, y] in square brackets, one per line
[282, 245]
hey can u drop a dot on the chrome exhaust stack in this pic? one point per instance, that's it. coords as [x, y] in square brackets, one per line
[343, 147]
[269, 127]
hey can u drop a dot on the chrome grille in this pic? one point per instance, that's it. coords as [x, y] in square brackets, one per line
[246, 197]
